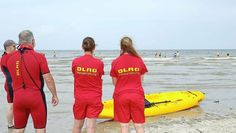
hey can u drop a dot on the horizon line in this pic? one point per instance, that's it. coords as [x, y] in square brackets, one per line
[136, 49]
[140, 49]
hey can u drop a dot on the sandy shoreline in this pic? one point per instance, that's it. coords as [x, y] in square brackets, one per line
[214, 115]
[189, 121]
[196, 120]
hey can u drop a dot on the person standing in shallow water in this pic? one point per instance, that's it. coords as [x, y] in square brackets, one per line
[28, 70]
[87, 71]
[9, 47]
[127, 72]
[54, 54]
[227, 54]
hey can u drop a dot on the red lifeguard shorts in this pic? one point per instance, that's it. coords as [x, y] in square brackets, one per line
[29, 102]
[129, 106]
[87, 106]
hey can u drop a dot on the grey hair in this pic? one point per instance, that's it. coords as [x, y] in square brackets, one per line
[26, 36]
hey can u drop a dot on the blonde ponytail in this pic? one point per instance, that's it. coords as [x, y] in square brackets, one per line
[126, 45]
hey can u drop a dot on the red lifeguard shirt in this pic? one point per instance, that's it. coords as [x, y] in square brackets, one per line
[4, 59]
[4, 69]
[26, 68]
[88, 73]
[128, 70]
[8, 83]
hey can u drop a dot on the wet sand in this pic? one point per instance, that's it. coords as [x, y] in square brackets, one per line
[194, 120]
[212, 116]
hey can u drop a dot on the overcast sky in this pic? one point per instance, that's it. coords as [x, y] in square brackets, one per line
[152, 24]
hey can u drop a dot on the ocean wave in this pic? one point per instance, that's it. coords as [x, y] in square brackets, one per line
[107, 59]
[145, 59]
[219, 58]
[234, 64]
[182, 58]
[157, 59]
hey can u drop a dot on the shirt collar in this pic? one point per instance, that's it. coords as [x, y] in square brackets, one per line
[26, 46]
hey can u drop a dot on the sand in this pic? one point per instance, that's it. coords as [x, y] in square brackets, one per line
[189, 121]
[214, 115]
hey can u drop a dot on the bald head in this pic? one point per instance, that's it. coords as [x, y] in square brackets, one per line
[26, 36]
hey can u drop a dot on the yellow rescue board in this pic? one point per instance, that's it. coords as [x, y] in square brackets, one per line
[161, 103]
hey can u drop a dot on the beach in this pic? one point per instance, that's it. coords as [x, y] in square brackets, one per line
[192, 70]
[190, 121]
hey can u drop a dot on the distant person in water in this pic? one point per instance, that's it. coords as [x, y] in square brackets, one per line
[227, 54]
[87, 71]
[218, 54]
[54, 54]
[156, 54]
[160, 54]
[177, 54]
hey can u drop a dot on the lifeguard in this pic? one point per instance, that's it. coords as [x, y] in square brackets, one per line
[87, 71]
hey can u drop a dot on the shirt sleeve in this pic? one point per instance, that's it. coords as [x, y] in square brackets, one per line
[3, 63]
[112, 72]
[44, 65]
[143, 68]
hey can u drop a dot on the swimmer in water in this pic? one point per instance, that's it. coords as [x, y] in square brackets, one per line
[227, 54]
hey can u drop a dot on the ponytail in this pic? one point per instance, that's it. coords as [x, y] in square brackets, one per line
[126, 45]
